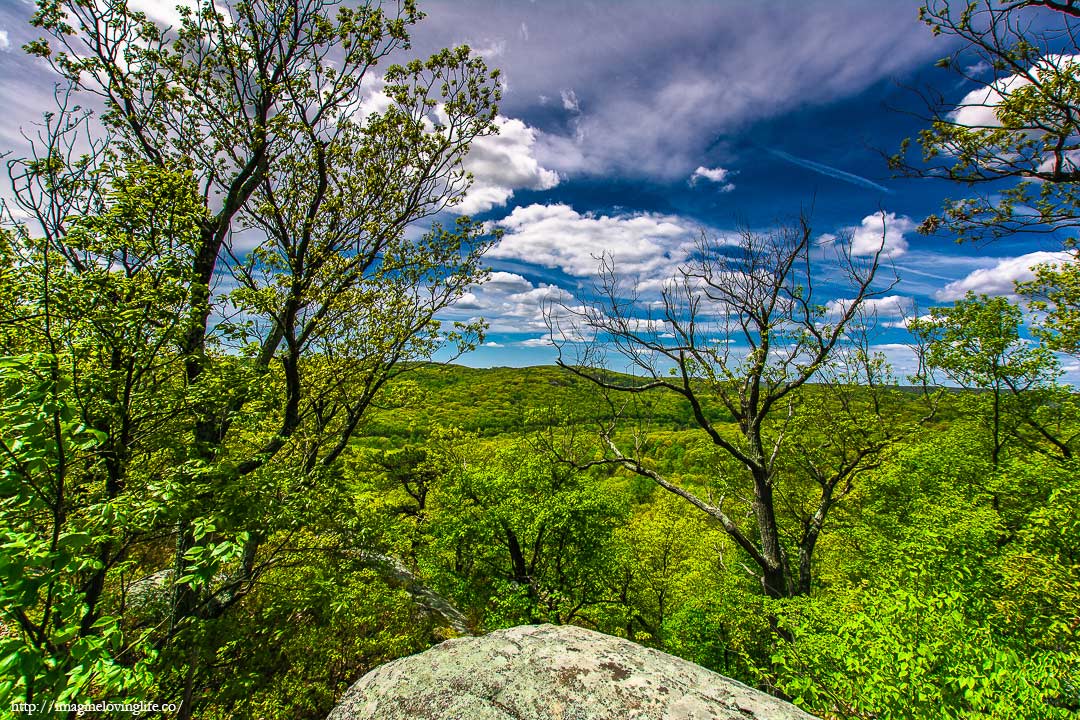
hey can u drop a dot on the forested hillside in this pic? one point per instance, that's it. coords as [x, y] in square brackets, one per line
[942, 586]
[233, 478]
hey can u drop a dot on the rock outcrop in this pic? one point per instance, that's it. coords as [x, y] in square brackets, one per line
[548, 672]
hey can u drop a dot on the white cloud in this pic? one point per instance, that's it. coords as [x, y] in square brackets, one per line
[501, 164]
[374, 100]
[509, 302]
[889, 306]
[979, 107]
[905, 322]
[866, 237]
[164, 12]
[493, 344]
[523, 31]
[490, 49]
[5, 41]
[536, 342]
[570, 101]
[557, 236]
[716, 175]
[1002, 277]
[507, 282]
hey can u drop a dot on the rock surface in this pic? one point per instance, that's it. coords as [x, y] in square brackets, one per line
[548, 672]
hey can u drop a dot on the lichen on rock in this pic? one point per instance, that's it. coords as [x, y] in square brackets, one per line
[548, 672]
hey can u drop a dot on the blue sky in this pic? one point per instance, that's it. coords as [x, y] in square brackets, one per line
[629, 127]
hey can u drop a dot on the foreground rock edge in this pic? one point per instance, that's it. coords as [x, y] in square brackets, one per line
[549, 672]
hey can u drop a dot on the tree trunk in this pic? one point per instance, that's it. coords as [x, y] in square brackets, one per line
[774, 571]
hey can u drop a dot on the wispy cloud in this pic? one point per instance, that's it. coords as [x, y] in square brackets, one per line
[570, 101]
[656, 89]
[829, 171]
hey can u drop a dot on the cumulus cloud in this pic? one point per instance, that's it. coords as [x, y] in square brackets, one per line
[557, 236]
[5, 41]
[979, 107]
[866, 237]
[501, 164]
[716, 175]
[570, 101]
[1002, 277]
[889, 306]
[536, 342]
[509, 302]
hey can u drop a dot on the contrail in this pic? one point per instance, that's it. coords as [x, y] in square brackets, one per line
[829, 171]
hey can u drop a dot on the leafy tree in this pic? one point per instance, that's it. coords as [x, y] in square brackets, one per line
[107, 394]
[1055, 290]
[977, 344]
[231, 409]
[518, 537]
[1017, 132]
[1019, 123]
[738, 333]
[936, 614]
[54, 645]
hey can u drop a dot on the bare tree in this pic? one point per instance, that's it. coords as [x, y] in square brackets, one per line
[737, 332]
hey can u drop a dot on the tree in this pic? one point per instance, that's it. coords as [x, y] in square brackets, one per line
[738, 333]
[1055, 290]
[1017, 133]
[1019, 125]
[101, 396]
[978, 345]
[260, 115]
[523, 538]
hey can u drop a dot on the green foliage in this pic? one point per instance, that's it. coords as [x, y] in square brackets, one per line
[221, 417]
[1040, 570]
[1019, 125]
[245, 501]
[936, 611]
[977, 343]
[1055, 290]
[524, 539]
[53, 646]
[290, 651]
[914, 648]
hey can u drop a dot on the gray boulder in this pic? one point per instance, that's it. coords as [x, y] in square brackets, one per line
[548, 672]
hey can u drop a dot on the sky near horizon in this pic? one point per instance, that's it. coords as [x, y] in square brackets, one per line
[630, 127]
